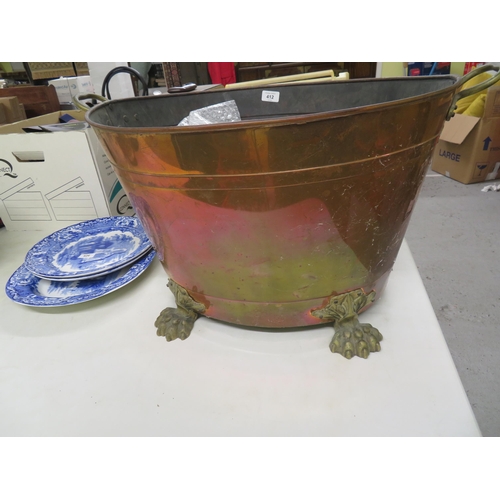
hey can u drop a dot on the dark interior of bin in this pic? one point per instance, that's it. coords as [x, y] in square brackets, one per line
[169, 109]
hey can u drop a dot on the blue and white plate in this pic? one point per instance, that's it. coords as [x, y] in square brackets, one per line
[96, 275]
[25, 288]
[88, 248]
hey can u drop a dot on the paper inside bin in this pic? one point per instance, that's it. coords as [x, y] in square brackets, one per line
[217, 113]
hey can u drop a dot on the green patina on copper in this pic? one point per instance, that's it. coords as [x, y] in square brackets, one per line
[177, 323]
[351, 338]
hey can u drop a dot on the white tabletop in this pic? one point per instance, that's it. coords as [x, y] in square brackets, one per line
[98, 369]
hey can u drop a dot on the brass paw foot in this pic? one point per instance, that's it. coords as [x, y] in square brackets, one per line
[351, 338]
[177, 323]
[355, 340]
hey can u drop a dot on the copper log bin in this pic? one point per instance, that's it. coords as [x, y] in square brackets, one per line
[293, 216]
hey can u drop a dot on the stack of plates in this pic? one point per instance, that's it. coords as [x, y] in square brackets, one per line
[82, 262]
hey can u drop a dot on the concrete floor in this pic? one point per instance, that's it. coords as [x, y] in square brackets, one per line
[454, 236]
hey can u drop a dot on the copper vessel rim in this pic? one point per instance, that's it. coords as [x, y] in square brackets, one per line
[275, 122]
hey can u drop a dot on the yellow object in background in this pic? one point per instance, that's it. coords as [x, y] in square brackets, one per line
[473, 105]
[477, 106]
[6, 67]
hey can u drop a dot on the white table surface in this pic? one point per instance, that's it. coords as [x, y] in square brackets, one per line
[99, 369]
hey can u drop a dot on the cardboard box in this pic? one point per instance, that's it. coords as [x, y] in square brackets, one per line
[11, 110]
[468, 150]
[62, 88]
[67, 88]
[52, 180]
[22, 110]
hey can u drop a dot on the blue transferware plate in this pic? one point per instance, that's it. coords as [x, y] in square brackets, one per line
[96, 275]
[88, 248]
[25, 288]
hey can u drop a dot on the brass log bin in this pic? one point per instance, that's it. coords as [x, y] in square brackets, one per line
[291, 217]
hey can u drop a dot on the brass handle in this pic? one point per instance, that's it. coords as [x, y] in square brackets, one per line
[477, 88]
[77, 100]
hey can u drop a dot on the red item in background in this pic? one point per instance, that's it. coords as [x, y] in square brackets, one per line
[469, 66]
[222, 72]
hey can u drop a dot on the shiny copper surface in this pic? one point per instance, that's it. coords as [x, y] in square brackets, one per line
[263, 221]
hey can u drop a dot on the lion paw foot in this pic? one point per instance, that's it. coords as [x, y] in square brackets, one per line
[356, 340]
[175, 323]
